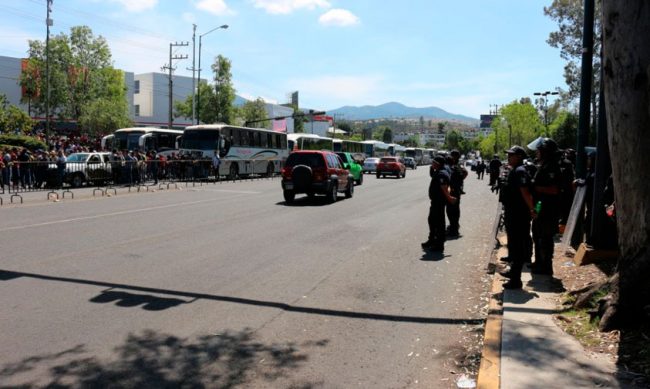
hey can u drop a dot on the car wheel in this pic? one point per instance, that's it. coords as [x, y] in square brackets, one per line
[360, 180]
[404, 174]
[289, 196]
[378, 175]
[349, 191]
[311, 195]
[77, 180]
[333, 194]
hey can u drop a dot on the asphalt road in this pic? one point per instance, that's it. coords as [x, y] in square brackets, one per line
[227, 286]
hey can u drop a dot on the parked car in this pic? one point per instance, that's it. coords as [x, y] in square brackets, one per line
[81, 168]
[391, 165]
[370, 165]
[353, 166]
[315, 172]
[410, 163]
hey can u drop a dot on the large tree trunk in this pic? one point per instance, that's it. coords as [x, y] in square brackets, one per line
[627, 95]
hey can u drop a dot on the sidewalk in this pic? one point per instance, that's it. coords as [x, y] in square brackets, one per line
[524, 348]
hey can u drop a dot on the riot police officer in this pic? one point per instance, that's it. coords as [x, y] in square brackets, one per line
[518, 212]
[546, 193]
[457, 175]
[440, 197]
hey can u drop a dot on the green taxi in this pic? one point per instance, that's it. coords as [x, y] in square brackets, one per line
[353, 166]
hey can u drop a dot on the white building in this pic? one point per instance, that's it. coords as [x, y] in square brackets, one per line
[147, 95]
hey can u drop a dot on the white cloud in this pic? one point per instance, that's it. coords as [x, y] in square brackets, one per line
[215, 7]
[137, 5]
[338, 17]
[251, 97]
[288, 6]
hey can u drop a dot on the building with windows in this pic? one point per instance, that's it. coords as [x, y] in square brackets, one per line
[147, 95]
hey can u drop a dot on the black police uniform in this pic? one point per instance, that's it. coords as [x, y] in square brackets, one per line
[494, 166]
[545, 226]
[436, 218]
[517, 220]
[455, 188]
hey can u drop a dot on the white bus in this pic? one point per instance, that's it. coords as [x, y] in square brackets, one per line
[242, 150]
[416, 153]
[396, 149]
[375, 148]
[428, 156]
[142, 138]
[299, 141]
[350, 146]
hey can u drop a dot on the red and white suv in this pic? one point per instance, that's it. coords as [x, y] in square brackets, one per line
[315, 172]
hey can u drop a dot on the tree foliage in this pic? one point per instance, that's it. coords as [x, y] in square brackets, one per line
[224, 92]
[12, 118]
[81, 73]
[569, 15]
[518, 123]
[253, 111]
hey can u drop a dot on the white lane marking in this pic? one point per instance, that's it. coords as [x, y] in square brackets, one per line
[112, 214]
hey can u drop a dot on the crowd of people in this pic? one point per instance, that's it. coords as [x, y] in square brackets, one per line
[23, 169]
[536, 199]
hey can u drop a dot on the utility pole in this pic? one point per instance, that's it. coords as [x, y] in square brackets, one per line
[585, 89]
[544, 104]
[496, 129]
[170, 67]
[193, 72]
[48, 23]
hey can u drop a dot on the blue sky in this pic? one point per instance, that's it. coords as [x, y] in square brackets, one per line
[460, 56]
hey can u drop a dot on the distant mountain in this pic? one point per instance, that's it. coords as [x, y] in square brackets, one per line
[396, 110]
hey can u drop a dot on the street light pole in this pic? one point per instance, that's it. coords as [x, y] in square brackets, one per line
[193, 72]
[198, 88]
[48, 23]
[544, 97]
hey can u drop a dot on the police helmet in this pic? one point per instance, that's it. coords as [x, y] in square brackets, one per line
[548, 145]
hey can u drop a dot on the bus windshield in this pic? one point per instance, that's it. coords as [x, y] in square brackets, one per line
[200, 140]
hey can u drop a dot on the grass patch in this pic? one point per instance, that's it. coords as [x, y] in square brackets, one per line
[579, 324]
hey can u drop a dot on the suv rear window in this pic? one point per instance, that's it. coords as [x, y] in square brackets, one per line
[388, 160]
[310, 159]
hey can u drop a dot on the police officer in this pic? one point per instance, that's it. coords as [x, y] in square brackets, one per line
[494, 166]
[457, 175]
[518, 212]
[440, 197]
[546, 193]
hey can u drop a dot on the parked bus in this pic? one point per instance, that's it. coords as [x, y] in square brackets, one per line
[416, 153]
[350, 146]
[396, 150]
[375, 148]
[142, 138]
[427, 156]
[309, 142]
[242, 150]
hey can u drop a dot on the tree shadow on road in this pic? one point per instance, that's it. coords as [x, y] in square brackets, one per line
[157, 360]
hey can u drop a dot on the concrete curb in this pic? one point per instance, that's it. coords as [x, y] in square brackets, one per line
[489, 374]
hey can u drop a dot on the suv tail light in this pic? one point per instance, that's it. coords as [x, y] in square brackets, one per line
[319, 174]
[286, 172]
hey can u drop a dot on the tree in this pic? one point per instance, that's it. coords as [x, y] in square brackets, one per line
[80, 72]
[224, 91]
[206, 111]
[441, 127]
[452, 140]
[569, 14]
[254, 110]
[12, 118]
[387, 137]
[564, 129]
[298, 119]
[626, 57]
[103, 116]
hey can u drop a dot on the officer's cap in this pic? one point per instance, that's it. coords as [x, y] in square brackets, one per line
[439, 159]
[517, 150]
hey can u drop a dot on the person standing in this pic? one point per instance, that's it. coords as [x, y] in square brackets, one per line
[546, 195]
[457, 176]
[216, 162]
[518, 211]
[495, 166]
[439, 196]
